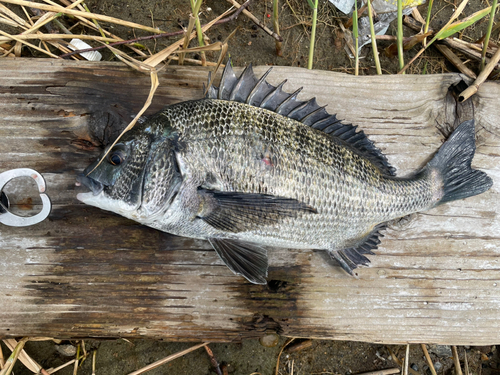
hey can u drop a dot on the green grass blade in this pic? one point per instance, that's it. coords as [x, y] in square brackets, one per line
[455, 27]
[428, 18]
[374, 41]
[488, 33]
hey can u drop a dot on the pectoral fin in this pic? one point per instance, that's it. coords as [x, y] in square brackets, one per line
[239, 212]
[243, 258]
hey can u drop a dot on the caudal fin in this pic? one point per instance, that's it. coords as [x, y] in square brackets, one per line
[453, 166]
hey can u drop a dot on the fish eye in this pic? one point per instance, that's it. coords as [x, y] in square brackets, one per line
[116, 157]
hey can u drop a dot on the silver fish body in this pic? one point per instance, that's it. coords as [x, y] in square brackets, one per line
[264, 169]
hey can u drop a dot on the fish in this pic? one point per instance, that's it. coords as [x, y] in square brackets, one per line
[250, 167]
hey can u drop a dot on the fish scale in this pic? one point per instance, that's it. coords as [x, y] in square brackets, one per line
[276, 172]
[361, 195]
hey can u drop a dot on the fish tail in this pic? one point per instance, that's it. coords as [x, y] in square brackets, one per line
[451, 167]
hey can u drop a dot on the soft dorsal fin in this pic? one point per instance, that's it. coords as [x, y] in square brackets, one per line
[247, 88]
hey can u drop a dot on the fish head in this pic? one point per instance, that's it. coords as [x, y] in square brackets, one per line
[137, 177]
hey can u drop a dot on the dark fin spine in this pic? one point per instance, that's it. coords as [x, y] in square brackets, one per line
[275, 97]
[261, 87]
[227, 82]
[244, 85]
[453, 166]
[290, 103]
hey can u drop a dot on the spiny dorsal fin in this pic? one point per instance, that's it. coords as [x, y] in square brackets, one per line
[258, 92]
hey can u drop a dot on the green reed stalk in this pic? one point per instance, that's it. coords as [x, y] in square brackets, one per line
[374, 41]
[314, 7]
[488, 33]
[195, 8]
[400, 35]
[356, 36]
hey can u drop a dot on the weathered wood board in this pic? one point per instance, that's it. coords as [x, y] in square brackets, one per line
[88, 273]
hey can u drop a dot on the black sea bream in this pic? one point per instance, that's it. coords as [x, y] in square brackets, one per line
[250, 166]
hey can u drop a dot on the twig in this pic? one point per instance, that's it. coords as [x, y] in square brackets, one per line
[399, 363]
[388, 371]
[54, 370]
[299, 346]
[257, 22]
[350, 21]
[276, 26]
[164, 53]
[1, 358]
[281, 351]
[455, 61]
[213, 360]
[187, 40]
[73, 12]
[235, 14]
[157, 36]
[9, 364]
[473, 46]
[192, 61]
[458, 369]
[167, 359]
[93, 361]
[465, 50]
[407, 359]
[29, 44]
[466, 363]
[454, 16]
[26, 360]
[57, 36]
[75, 367]
[468, 49]
[428, 358]
[472, 89]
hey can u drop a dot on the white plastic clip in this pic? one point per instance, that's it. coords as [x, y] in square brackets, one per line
[7, 217]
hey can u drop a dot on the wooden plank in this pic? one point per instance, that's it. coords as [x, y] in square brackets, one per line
[85, 272]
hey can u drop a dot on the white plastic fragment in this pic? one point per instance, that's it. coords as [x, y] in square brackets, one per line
[345, 6]
[77, 44]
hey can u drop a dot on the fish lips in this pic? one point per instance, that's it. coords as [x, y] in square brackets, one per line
[95, 186]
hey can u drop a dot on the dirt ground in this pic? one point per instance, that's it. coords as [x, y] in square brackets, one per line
[252, 45]
[117, 357]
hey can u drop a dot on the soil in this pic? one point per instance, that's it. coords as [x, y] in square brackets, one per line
[252, 45]
[120, 357]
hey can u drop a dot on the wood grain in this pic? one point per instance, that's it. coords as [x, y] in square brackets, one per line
[88, 273]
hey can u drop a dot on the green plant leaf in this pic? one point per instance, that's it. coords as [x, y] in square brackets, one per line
[455, 27]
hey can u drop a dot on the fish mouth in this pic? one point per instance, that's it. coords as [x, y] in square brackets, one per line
[95, 186]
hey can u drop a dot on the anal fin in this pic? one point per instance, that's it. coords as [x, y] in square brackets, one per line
[243, 258]
[352, 257]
